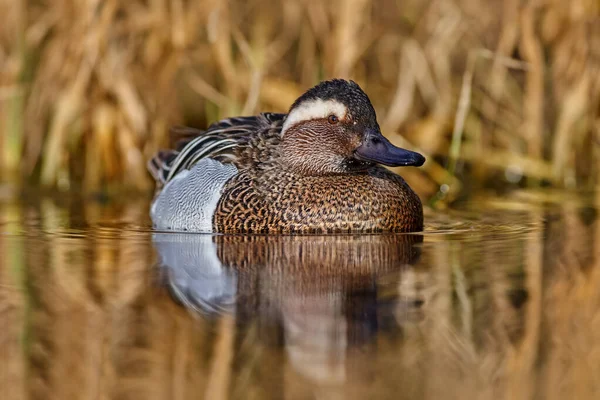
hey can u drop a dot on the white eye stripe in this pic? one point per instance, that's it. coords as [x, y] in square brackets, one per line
[314, 109]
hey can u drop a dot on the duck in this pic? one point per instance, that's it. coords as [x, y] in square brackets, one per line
[318, 169]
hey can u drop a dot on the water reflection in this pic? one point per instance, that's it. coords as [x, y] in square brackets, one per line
[502, 301]
[318, 296]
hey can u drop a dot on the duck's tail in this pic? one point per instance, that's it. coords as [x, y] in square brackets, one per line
[160, 165]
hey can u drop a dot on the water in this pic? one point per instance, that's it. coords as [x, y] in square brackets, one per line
[498, 299]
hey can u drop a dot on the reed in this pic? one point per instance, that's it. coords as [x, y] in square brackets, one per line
[501, 92]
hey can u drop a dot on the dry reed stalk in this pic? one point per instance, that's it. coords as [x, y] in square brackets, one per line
[575, 66]
[526, 165]
[13, 61]
[507, 41]
[534, 87]
[465, 101]
[351, 31]
[219, 36]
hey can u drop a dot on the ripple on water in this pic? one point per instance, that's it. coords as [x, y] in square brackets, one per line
[494, 297]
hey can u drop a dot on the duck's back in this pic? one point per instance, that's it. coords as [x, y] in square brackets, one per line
[241, 141]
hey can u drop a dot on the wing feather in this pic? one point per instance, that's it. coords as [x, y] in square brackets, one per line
[221, 141]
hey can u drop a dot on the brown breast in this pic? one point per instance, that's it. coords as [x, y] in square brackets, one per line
[279, 201]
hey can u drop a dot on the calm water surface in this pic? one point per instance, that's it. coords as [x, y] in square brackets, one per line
[497, 299]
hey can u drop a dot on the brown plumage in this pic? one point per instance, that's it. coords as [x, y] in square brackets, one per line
[313, 170]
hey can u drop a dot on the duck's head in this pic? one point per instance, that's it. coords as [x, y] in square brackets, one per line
[332, 128]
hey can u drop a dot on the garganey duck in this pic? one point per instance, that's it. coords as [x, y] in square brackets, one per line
[313, 170]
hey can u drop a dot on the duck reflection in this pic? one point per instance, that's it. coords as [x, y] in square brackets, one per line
[317, 296]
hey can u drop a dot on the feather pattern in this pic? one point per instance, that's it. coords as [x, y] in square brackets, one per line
[224, 141]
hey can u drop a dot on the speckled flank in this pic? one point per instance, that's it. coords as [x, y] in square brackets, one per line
[281, 202]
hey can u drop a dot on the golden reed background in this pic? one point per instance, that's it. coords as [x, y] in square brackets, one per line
[88, 89]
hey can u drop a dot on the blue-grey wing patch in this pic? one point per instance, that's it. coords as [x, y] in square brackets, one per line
[188, 201]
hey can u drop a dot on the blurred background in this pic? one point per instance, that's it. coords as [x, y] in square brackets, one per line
[495, 93]
[503, 302]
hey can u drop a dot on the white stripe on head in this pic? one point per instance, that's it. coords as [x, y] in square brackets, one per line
[314, 109]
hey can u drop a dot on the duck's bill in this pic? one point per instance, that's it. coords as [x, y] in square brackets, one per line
[377, 149]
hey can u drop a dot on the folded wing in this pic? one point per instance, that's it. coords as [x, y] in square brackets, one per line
[224, 141]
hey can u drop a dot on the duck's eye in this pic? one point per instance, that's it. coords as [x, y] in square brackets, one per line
[333, 119]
